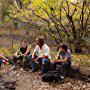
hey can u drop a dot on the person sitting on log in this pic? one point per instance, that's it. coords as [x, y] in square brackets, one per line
[3, 59]
[64, 59]
[22, 56]
[41, 56]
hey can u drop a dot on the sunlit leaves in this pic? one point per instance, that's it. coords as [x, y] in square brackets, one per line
[64, 16]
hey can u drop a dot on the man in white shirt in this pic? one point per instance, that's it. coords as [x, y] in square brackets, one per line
[41, 55]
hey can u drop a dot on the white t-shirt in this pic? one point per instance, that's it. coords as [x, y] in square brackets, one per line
[43, 51]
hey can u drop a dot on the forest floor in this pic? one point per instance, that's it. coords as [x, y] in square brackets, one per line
[25, 80]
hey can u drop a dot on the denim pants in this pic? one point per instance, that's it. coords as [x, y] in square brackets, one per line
[44, 68]
[64, 66]
[1, 62]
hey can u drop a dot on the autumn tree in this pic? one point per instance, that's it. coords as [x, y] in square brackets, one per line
[64, 20]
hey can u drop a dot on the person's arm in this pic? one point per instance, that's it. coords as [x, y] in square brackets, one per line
[44, 56]
[59, 60]
[27, 51]
[18, 51]
[64, 60]
[33, 55]
[57, 57]
[1, 54]
[35, 52]
[68, 56]
[3, 57]
[47, 53]
[15, 54]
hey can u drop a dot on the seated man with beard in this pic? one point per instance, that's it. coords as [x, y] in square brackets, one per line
[41, 55]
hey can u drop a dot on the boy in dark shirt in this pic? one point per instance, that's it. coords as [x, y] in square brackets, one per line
[22, 55]
[64, 59]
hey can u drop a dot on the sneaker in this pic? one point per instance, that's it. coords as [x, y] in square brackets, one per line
[21, 69]
[61, 80]
[33, 70]
[41, 73]
[14, 67]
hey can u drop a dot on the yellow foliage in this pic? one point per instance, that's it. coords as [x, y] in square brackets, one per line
[81, 59]
[16, 47]
[6, 51]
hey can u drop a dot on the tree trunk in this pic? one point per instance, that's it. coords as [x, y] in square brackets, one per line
[78, 48]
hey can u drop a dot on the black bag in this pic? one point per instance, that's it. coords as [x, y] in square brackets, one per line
[51, 76]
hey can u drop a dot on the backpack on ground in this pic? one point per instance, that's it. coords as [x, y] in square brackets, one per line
[51, 76]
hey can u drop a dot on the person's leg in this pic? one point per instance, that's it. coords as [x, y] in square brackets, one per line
[64, 66]
[25, 62]
[20, 61]
[28, 61]
[53, 66]
[15, 60]
[44, 65]
[0, 62]
[33, 64]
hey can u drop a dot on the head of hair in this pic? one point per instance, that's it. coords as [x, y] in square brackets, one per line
[24, 41]
[41, 38]
[64, 46]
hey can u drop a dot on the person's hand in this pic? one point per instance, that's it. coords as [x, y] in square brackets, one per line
[36, 60]
[55, 61]
[40, 57]
[33, 57]
[17, 56]
[23, 55]
[7, 59]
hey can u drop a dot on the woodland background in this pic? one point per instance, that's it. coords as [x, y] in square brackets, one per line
[58, 21]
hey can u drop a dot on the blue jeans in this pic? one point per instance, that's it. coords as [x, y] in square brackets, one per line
[64, 66]
[1, 62]
[43, 62]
